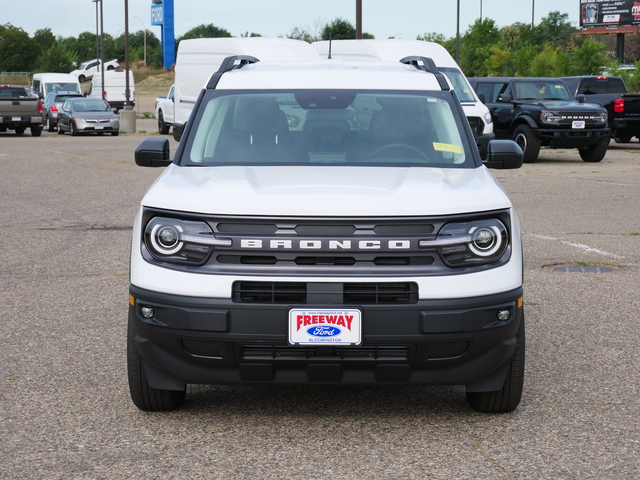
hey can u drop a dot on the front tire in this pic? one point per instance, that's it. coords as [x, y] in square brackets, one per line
[595, 153]
[143, 396]
[508, 397]
[525, 138]
[73, 130]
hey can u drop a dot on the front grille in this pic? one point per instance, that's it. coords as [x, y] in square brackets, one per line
[362, 353]
[567, 118]
[269, 292]
[477, 125]
[299, 293]
[354, 247]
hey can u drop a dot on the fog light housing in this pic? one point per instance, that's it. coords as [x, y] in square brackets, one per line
[147, 312]
[503, 315]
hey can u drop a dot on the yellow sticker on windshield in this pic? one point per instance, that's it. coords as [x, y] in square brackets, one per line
[447, 147]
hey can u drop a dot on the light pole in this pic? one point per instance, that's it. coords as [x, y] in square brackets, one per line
[101, 56]
[144, 29]
[533, 9]
[458, 35]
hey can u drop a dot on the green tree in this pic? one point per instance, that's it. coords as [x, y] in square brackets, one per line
[57, 58]
[550, 62]
[497, 64]
[204, 31]
[341, 29]
[588, 58]
[475, 47]
[555, 29]
[44, 38]
[19, 51]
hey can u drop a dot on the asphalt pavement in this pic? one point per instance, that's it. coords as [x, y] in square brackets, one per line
[68, 204]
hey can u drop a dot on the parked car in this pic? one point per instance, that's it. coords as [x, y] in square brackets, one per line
[165, 112]
[539, 112]
[114, 90]
[44, 83]
[88, 69]
[52, 105]
[326, 222]
[20, 110]
[623, 108]
[87, 115]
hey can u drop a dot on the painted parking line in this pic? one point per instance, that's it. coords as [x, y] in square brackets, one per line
[580, 246]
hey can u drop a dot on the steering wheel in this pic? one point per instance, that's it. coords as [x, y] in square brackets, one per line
[415, 151]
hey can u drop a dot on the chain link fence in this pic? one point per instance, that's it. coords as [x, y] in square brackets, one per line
[15, 78]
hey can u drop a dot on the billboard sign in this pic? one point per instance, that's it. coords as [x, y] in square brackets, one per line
[157, 15]
[603, 13]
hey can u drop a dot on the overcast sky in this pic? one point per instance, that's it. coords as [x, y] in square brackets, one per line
[272, 18]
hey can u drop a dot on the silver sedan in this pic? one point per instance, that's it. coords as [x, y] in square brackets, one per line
[87, 115]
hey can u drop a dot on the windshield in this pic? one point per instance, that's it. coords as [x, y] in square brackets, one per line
[541, 90]
[460, 84]
[337, 127]
[61, 87]
[90, 106]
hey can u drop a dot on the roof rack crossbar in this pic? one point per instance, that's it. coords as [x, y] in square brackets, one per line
[228, 64]
[426, 64]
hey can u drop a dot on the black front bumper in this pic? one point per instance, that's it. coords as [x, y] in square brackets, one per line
[431, 342]
[571, 138]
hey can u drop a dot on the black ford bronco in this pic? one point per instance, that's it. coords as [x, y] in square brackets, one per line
[539, 112]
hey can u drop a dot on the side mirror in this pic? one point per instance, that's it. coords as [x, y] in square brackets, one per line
[504, 98]
[482, 97]
[153, 152]
[581, 98]
[503, 155]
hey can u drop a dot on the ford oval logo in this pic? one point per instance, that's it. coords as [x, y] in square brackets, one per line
[323, 331]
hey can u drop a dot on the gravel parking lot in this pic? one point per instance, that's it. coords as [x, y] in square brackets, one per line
[68, 206]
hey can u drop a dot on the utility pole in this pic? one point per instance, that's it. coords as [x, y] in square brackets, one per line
[358, 19]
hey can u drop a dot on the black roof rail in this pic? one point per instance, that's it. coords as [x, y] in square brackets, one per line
[428, 65]
[229, 64]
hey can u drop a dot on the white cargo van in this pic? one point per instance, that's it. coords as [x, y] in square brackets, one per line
[393, 50]
[44, 83]
[115, 88]
[199, 58]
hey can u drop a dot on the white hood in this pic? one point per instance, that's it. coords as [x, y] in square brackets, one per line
[326, 191]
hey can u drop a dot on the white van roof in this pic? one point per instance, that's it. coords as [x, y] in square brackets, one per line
[265, 49]
[386, 50]
[55, 77]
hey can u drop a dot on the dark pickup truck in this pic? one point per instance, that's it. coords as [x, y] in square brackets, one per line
[539, 112]
[19, 110]
[610, 92]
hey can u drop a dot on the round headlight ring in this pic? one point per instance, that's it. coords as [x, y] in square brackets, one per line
[165, 239]
[486, 240]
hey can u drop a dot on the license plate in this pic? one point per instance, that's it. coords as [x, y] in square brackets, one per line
[99, 127]
[578, 124]
[16, 119]
[325, 327]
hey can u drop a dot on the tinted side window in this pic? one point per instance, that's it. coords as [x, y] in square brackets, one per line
[491, 91]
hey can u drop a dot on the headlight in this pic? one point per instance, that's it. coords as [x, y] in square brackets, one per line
[472, 243]
[180, 241]
[602, 118]
[487, 118]
[549, 117]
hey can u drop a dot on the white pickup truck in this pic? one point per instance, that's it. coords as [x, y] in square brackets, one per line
[165, 112]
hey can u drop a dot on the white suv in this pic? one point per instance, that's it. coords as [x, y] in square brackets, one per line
[327, 222]
[88, 69]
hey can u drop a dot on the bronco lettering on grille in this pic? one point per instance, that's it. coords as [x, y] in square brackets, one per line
[286, 244]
